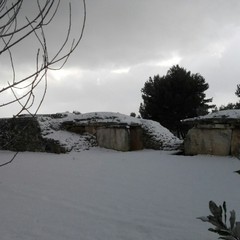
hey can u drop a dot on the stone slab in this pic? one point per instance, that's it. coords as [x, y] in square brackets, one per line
[208, 141]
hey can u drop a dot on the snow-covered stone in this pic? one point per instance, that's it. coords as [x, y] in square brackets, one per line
[111, 130]
[64, 132]
[217, 133]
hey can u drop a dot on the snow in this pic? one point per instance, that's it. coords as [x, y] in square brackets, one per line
[51, 128]
[223, 114]
[72, 141]
[160, 133]
[93, 117]
[231, 113]
[104, 194]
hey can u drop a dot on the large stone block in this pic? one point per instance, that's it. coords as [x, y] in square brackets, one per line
[136, 138]
[114, 138]
[235, 143]
[208, 141]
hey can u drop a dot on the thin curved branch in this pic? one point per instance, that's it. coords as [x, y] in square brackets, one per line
[39, 19]
[10, 161]
[12, 33]
[46, 63]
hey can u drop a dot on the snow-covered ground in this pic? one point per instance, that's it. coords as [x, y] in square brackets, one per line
[108, 195]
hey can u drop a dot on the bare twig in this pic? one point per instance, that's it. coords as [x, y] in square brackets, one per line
[11, 34]
[15, 28]
[10, 161]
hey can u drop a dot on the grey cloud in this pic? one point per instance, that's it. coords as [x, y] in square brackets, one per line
[138, 34]
[129, 32]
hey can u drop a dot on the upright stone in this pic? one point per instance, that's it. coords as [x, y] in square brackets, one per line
[235, 143]
[136, 138]
[116, 138]
[208, 141]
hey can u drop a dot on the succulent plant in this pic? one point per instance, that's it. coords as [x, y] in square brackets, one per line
[219, 220]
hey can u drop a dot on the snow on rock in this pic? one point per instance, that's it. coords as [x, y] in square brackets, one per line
[72, 141]
[51, 129]
[219, 115]
[156, 136]
[231, 113]
[159, 134]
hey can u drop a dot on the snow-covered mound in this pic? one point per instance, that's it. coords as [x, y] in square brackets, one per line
[230, 114]
[159, 134]
[155, 135]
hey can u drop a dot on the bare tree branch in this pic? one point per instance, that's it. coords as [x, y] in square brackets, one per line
[16, 26]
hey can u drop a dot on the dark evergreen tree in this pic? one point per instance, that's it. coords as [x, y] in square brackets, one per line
[237, 93]
[228, 106]
[177, 95]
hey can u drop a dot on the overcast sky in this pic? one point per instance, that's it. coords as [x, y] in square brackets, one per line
[127, 41]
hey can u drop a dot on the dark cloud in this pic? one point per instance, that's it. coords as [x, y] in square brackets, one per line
[125, 42]
[124, 32]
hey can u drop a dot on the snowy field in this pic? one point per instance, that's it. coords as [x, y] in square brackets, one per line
[108, 195]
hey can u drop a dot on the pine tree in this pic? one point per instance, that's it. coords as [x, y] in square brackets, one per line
[177, 95]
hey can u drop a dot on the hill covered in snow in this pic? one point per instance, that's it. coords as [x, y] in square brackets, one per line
[73, 130]
[220, 116]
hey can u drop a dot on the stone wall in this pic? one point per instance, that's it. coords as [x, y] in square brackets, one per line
[24, 134]
[235, 143]
[218, 139]
[136, 138]
[20, 134]
[120, 138]
[113, 138]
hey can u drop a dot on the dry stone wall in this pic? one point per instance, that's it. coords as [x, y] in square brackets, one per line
[24, 134]
[20, 134]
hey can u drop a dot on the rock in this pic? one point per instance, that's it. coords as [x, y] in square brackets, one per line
[61, 133]
[208, 141]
